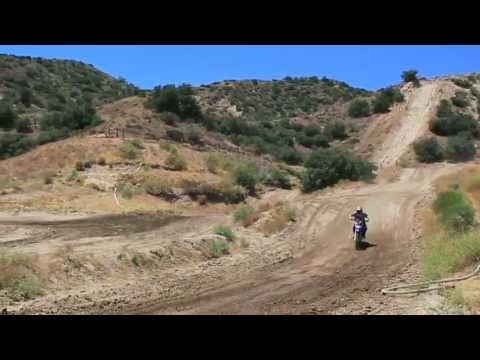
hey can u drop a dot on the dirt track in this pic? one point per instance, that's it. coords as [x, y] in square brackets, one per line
[324, 274]
[327, 273]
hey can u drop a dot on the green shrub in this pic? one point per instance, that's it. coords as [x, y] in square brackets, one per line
[312, 130]
[428, 150]
[225, 231]
[177, 100]
[7, 116]
[176, 162]
[218, 248]
[18, 276]
[23, 126]
[305, 140]
[246, 175]
[170, 118]
[462, 83]
[194, 136]
[26, 97]
[410, 76]
[232, 193]
[475, 93]
[129, 190]
[29, 288]
[381, 104]
[137, 143]
[394, 94]
[460, 99]
[129, 151]
[277, 178]
[359, 108]
[290, 156]
[159, 187]
[321, 140]
[223, 192]
[454, 124]
[460, 148]
[175, 135]
[454, 210]
[242, 213]
[444, 109]
[337, 130]
[325, 167]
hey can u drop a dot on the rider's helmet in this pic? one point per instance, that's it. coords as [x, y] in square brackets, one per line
[359, 209]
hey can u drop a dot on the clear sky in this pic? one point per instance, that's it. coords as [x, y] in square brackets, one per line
[370, 67]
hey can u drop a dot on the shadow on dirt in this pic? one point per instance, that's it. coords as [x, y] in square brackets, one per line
[365, 245]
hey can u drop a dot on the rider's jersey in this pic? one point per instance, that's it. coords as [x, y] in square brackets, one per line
[361, 216]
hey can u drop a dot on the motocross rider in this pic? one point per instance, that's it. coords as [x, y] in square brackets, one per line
[363, 217]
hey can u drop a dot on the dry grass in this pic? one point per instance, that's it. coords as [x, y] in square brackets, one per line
[443, 255]
[467, 295]
[466, 180]
[446, 252]
[19, 276]
[279, 218]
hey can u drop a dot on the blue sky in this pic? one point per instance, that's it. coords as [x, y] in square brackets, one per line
[369, 67]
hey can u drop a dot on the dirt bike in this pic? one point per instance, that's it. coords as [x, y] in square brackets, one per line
[357, 235]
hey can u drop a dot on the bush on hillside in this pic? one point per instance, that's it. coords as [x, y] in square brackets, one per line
[193, 135]
[176, 162]
[160, 187]
[129, 151]
[460, 99]
[381, 104]
[225, 192]
[454, 210]
[289, 155]
[428, 150]
[410, 76]
[276, 178]
[454, 124]
[246, 175]
[359, 108]
[177, 100]
[7, 116]
[462, 83]
[326, 167]
[312, 130]
[337, 130]
[176, 135]
[444, 109]
[26, 97]
[23, 126]
[170, 118]
[461, 148]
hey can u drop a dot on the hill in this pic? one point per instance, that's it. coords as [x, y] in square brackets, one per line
[37, 84]
[45, 100]
[309, 97]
